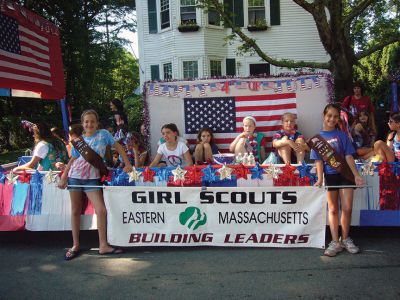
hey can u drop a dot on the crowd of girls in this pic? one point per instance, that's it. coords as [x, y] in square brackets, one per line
[81, 175]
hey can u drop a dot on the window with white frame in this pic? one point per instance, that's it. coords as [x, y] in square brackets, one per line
[215, 68]
[190, 69]
[164, 14]
[256, 10]
[167, 70]
[188, 11]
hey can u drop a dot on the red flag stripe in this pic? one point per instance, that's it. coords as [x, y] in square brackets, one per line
[266, 97]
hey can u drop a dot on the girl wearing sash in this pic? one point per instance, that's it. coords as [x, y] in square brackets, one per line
[83, 170]
[339, 143]
[249, 141]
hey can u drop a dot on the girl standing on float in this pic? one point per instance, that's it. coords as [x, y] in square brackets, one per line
[80, 172]
[343, 147]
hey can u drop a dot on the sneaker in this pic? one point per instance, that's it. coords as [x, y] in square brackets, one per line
[333, 249]
[348, 244]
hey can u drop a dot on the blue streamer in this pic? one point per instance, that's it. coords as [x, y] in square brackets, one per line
[20, 194]
[163, 173]
[35, 194]
[2, 178]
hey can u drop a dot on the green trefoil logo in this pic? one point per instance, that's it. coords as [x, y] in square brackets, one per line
[192, 218]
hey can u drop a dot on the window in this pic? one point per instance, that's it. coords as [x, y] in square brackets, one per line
[155, 72]
[215, 68]
[256, 11]
[164, 13]
[167, 70]
[258, 69]
[188, 11]
[190, 69]
[213, 17]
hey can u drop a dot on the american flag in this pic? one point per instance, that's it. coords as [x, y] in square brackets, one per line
[30, 53]
[224, 115]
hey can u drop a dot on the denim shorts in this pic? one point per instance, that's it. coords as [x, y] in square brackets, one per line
[93, 185]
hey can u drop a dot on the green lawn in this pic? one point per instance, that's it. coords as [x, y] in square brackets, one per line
[9, 157]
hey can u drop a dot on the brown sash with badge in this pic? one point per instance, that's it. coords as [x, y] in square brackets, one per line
[329, 155]
[90, 155]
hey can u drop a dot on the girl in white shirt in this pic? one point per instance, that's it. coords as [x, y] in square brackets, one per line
[173, 152]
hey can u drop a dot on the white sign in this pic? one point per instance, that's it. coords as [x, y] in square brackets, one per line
[245, 217]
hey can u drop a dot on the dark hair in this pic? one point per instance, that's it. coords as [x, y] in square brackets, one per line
[58, 133]
[364, 111]
[207, 130]
[137, 138]
[334, 106]
[171, 126]
[76, 129]
[360, 85]
[395, 116]
[42, 130]
[118, 104]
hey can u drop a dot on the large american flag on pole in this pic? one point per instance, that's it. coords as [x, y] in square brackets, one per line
[30, 53]
[224, 115]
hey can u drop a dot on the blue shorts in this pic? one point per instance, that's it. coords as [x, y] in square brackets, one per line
[93, 185]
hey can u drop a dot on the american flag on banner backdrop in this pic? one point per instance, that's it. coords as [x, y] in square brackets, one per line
[30, 53]
[224, 115]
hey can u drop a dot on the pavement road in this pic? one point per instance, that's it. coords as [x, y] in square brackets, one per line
[32, 267]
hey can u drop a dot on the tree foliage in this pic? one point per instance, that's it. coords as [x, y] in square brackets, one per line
[349, 30]
[97, 68]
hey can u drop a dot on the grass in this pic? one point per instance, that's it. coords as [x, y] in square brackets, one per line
[11, 156]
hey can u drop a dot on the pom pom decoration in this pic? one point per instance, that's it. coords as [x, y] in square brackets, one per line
[256, 172]
[241, 171]
[209, 174]
[148, 175]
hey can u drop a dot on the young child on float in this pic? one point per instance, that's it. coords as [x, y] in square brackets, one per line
[288, 141]
[249, 141]
[137, 152]
[206, 147]
[83, 177]
[393, 140]
[173, 152]
[343, 147]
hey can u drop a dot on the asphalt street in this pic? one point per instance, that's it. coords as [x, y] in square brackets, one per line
[32, 267]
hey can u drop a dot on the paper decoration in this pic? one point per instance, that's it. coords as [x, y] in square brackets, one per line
[12, 179]
[173, 90]
[225, 172]
[134, 175]
[179, 174]
[51, 177]
[272, 171]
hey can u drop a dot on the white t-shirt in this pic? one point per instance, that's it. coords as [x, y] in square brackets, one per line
[41, 150]
[175, 157]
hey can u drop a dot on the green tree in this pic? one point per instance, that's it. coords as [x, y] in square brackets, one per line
[345, 28]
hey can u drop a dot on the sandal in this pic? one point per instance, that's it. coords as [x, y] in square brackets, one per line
[71, 254]
[113, 251]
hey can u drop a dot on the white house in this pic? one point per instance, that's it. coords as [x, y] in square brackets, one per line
[170, 51]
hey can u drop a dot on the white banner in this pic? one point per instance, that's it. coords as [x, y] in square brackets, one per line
[245, 217]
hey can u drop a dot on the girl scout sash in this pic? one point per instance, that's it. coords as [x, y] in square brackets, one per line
[90, 155]
[330, 156]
